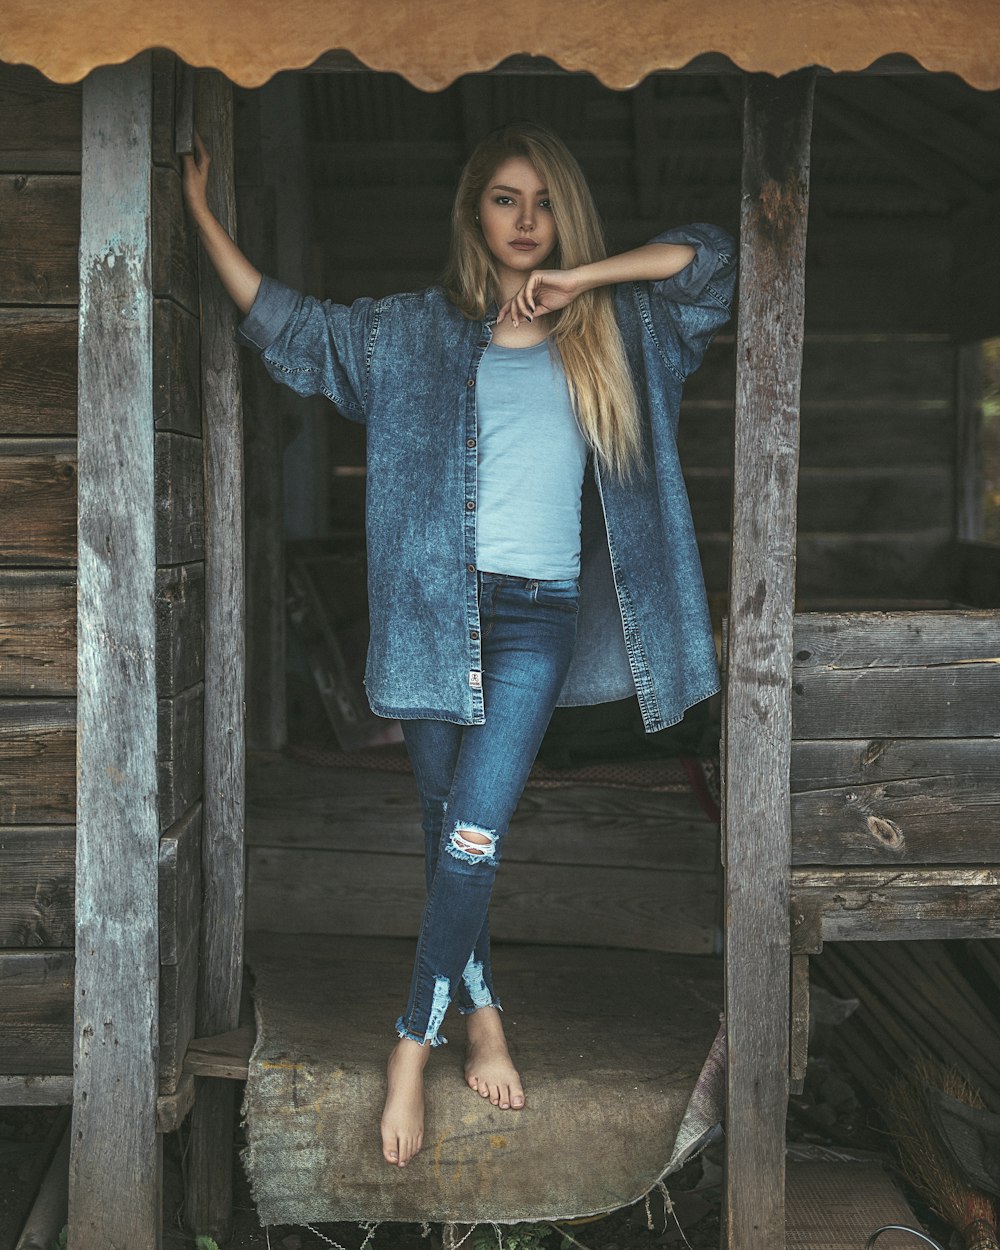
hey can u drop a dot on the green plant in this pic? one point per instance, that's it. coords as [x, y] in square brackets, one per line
[206, 1243]
[517, 1237]
[60, 1241]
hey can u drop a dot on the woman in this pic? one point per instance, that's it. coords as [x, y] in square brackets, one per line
[528, 531]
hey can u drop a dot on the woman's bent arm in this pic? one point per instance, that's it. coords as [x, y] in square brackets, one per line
[550, 289]
[238, 276]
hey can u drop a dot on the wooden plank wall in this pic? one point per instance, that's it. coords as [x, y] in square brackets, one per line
[876, 487]
[40, 159]
[340, 851]
[39, 295]
[894, 776]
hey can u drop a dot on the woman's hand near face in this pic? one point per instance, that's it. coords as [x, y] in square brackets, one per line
[546, 291]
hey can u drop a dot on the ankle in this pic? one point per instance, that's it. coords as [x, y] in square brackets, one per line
[410, 1054]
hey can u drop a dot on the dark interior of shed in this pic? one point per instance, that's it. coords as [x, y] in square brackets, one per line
[347, 180]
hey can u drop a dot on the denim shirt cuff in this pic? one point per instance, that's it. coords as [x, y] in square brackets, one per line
[274, 305]
[713, 248]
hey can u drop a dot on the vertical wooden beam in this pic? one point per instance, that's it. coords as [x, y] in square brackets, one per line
[115, 1169]
[969, 445]
[264, 448]
[209, 1191]
[775, 191]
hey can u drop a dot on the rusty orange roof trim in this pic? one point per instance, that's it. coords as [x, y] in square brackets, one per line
[432, 42]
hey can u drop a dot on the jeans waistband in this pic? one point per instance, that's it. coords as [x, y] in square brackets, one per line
[513, 579]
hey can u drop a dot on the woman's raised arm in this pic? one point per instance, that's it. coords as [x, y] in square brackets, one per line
[547, 290]
[238, 276]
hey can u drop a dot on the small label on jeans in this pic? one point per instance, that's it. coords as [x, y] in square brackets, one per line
[475, 679]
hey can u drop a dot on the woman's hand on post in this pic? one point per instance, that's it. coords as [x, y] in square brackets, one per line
[546, 291]
[195, 179]
[238, 276]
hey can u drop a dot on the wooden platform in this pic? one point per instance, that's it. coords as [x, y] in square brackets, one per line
[610, 1044]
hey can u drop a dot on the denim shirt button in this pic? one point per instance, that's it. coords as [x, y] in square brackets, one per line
[470, 442]
[471, 382]
[483, 343]
[470, 568]
[473, 634]
[470, 505]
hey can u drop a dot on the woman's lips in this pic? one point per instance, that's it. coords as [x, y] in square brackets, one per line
[524, 245]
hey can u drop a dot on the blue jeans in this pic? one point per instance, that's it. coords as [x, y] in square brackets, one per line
[470, 778]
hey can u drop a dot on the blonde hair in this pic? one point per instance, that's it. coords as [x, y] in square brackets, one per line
[586, 332]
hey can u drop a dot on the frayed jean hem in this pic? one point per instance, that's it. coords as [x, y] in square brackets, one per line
[406, 1034]
[471, 1011]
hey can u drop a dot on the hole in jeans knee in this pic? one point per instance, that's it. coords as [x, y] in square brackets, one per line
[472, 843]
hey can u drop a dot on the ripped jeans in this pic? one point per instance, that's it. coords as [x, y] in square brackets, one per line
[470, 778]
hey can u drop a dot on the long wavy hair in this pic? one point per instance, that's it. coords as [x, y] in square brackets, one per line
[586, 332]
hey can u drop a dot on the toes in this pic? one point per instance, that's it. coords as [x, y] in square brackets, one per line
[390, 1151]
[517, 1099]
[472, 1082]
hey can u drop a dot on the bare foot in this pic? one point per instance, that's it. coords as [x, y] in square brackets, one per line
[489, 1069]
[403, 1115]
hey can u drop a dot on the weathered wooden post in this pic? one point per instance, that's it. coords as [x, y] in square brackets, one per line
[115, 1157]
[775, 195]
[209, 1196]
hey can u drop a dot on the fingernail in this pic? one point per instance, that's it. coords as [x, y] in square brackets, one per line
[527, 318]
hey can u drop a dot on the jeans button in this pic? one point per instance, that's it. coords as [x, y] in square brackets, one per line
[473, 634]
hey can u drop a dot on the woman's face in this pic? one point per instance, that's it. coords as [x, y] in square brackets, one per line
[516, 219]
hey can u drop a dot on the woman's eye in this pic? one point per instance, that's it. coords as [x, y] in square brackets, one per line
[546, 204]
[503, 199]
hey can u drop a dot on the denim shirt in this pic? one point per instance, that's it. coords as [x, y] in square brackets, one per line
[406, 367]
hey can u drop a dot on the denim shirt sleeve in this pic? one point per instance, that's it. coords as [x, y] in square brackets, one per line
[683, 312]
[314, 346]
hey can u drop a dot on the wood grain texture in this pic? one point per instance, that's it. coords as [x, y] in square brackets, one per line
[173, 1109]
[38, 501]
[37, 761]
[36, 1091]
[876, 567]
[209, 1196]
[179, 753]
[38, 869]
[872, 800]
[36, 1012]
[115, 1176]
[914, 675]
[844, 501]
[175, 369]
[180, 627]
[175, 251]
[264, 451]
[798, 1048]
[39, 236]
[291, 804]
[850, 368]
[354, 893]
[180, 885]
[882, 905]
[180, 499]
[775, 193]
[41, 132]
[38, 371]
[835, 434]
[37, 632]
